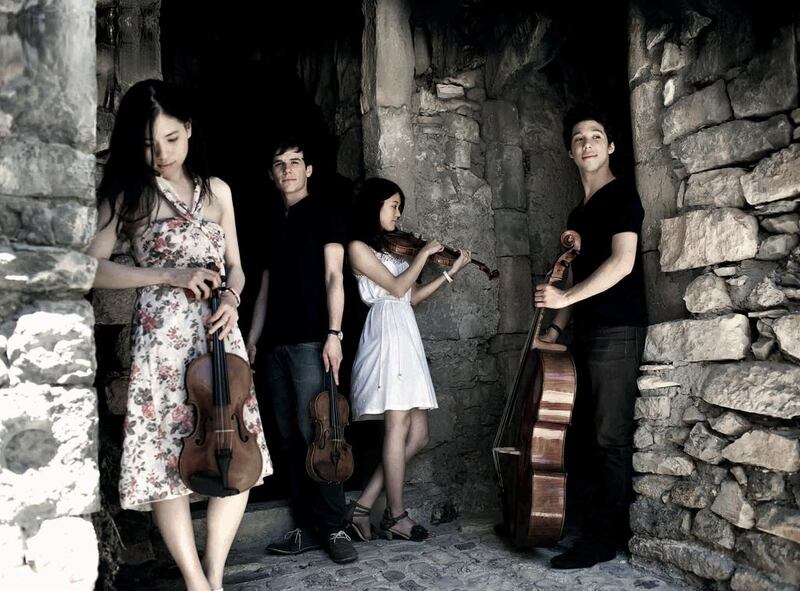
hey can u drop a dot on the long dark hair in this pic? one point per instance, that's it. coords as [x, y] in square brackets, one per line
[128, 183]
[365, 219]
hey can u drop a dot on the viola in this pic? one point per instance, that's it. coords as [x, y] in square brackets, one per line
[220, 457]
[529, 445]
[329, 459]
[406, 244]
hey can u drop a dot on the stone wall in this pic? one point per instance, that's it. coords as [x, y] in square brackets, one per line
[714, 100]
[48, 416]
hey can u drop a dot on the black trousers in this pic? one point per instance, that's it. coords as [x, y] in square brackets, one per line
[601, 440]
[294, 376]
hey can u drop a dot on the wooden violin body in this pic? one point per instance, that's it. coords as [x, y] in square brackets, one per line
[530, 442]
[221, 457]
[406, 244]
[329, 459]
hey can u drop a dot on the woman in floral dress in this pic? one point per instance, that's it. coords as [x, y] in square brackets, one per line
[157, 192]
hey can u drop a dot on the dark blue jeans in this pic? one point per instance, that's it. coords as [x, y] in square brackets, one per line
[608, 360]
[294, 376]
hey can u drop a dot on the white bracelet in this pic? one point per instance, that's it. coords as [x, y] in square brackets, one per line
[447, 276]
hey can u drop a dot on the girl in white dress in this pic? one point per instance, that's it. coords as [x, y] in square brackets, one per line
[390, 377]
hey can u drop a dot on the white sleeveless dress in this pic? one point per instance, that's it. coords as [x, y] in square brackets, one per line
[390, 371]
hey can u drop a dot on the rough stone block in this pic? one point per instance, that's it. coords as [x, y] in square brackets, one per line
[501, 122]
[769, 554]
[49, 443]
[776, 247]
[708, 294]
[765, 388]
[653, 486]
[658, 188]
[704, 445]
[664, 291]
[775, 177]
[645, 116]
[713, 530]
[65, 550]
[31, 168]
[506, 176]
[731, 504]
[44, 222]
[54, 96]
[780, 521]
[675, 57]
[788, 223]
[765, 449]
[719, 338]
[45, 269]
[730, 423]
[694, 558]
[53, 344]
[655, 519]
[787, 331]
[734, 142]
[701, 238]
[692, 494]
[511, 232]
[652, 407]
[461, 127]
[703, 108]
[768, 83]
[12, 548]
[516, 294]
[749, 275]
[716, 54]
[638, 62]
[670, 463]
[715, 188]
[748, 579]
[765, 485]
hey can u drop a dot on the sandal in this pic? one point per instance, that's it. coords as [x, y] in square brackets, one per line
[355, 509]
[418, 533]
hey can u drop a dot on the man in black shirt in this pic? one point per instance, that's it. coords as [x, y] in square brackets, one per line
[299, 308]
[606, 297]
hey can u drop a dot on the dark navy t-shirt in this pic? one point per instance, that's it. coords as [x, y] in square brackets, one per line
[613, 209]
[297, 306]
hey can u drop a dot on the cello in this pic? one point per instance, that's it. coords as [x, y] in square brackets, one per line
[220, 457]
[528, 452]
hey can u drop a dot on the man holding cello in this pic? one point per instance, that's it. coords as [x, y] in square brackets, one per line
[606, 298]
[299, 308]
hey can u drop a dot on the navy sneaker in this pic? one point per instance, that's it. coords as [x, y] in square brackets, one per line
[296, 541]
[340, 548]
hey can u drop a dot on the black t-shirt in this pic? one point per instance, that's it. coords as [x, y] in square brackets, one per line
[614, 208]
[297, 308]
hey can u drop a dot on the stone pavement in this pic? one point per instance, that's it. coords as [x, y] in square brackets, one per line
[464, 555]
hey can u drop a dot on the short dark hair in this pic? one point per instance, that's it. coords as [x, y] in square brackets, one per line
[284, 144]
[585, 112]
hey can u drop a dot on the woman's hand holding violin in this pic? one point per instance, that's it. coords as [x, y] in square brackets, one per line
[225, 317]
[196, 280]
[464, 258]
[431, 248]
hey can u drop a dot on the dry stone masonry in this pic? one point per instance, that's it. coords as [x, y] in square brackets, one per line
[715, 107]
[48, 408]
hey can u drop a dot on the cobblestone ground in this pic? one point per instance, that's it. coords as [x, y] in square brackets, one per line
[465, 555]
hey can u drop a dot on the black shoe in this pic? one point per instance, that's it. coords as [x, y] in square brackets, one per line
[296, 541]
[340, 547]
[584, 554]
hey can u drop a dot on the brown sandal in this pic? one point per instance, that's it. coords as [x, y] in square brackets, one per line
[355, 509]
[418, 533]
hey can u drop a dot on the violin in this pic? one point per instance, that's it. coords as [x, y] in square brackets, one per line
[530, 442]
[405, 244]
[220, 457]
[329, 459]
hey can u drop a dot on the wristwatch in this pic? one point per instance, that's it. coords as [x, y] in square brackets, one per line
[339, 334]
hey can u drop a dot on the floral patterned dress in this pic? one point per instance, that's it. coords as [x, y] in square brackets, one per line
[168, 333]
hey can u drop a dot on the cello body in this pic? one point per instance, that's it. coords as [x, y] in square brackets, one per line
[531, 440]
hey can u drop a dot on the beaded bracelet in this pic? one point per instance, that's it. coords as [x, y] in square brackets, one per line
[235, 294]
